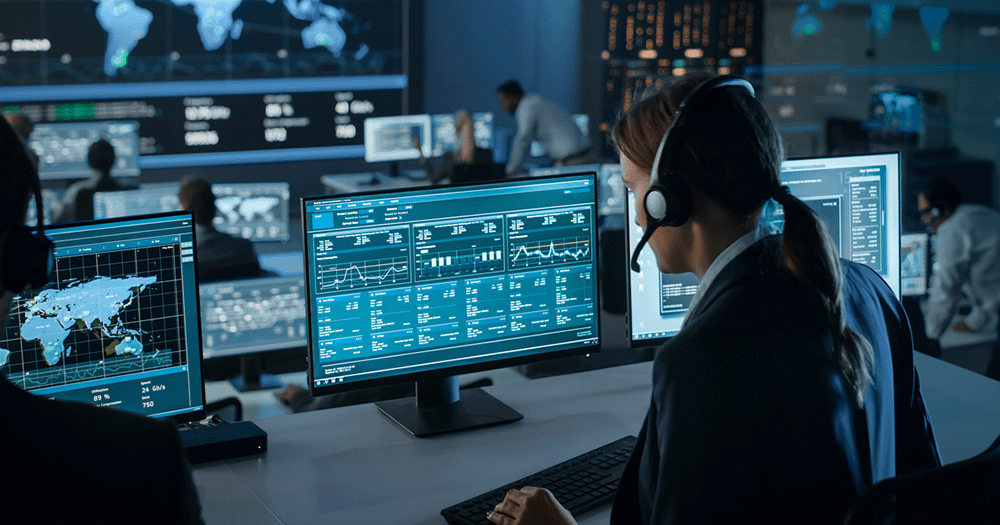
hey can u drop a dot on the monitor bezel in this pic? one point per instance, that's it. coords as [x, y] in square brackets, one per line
[437, 373]
[199, 413]
[641, 343]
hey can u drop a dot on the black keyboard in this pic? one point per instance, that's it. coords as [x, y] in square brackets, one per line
[580, 484]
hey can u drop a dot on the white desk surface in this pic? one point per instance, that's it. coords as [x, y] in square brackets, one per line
[353, 465]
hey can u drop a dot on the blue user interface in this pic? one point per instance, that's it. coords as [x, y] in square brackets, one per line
[444, 277]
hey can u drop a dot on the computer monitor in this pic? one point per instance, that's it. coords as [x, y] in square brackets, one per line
[149, 198]
[443, 131]
[390, 139]
[914, 264]
[425, 283]
[119, 324]
[582, 121]
[257, 211]
[612, 190]
[62, 147]
[249, 316]
[51, 204]
[856, 196]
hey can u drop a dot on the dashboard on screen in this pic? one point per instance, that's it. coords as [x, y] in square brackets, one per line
[445, 280]
[210, 83]
[857, 197]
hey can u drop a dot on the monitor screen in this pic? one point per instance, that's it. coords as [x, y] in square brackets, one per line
[914, 268]
[389, 139]
[62, 147]
[149, 198]
[119, 324]
[211, 82]
[900, 111]
[252, 315]
[443, 130]
[582, 121]
[257, 211]
[51, 206]
[856, 196]
[612, 191]
[435, 281]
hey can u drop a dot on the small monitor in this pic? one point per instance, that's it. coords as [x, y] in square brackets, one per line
[898, 110]
[248, 316]
[426, 283]
[62, 147]
[443, 130]
[149, 198]
[390, 139]
[914, 264]
[612, 191]
[51, 205]
[119, 324]
[257, 211]
[856, 196]
[582, 121]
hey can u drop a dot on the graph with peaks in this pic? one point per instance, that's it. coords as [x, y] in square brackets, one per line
[550, 239]
[369, 259]
[459, 248]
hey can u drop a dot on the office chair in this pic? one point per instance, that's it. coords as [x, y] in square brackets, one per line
[966, 492]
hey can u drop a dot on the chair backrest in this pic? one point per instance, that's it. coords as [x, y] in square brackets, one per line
[966, 492]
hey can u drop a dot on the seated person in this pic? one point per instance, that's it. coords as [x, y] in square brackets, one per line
[73, 452]
[78, 201]
[219, 256]
[465, 152]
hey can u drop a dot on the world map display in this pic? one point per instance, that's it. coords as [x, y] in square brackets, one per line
[126, 24]
[94, 306]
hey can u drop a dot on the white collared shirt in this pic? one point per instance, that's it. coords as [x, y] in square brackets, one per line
[735, 249]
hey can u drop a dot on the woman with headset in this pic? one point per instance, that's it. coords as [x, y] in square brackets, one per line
[790, 387]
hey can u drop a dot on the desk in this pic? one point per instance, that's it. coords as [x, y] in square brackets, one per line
[353, 465]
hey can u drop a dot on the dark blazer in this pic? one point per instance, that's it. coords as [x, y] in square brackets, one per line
[751, 419]
[220, 256]
[75, 463]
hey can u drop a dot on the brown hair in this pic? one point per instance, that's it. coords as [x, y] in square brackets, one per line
[732, 153]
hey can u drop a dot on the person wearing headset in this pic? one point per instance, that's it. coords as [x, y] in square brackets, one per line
[72, 462]
[967, 261]
[790, 387]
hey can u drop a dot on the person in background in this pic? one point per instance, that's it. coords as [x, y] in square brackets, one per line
[218, 256]
[967, 259]
[78, 201]
[66, 461]
[790, 387]
[465, 152]
[545, 122]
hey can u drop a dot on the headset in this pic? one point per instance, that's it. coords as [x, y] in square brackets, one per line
[28, 257]
[668, 201]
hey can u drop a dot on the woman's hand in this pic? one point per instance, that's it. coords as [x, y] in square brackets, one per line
[530, 506]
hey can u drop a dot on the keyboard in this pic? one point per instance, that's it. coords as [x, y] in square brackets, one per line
[579, 484]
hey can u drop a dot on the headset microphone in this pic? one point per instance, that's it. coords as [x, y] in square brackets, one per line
[669, 199]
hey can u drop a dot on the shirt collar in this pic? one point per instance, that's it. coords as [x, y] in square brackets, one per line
[720, 262]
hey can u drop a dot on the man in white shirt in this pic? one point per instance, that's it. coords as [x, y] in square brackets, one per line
[967, 249]
[545, 122]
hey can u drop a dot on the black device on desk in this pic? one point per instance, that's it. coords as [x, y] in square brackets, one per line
[579, 484]
[422, 284]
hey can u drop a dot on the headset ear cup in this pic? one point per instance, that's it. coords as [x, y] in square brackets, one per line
[656, 204]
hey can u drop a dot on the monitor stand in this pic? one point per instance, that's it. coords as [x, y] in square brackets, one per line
[251, 376]
[438, 409]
